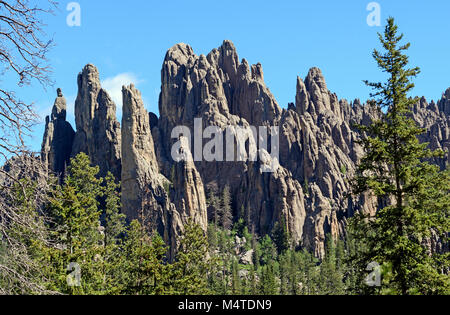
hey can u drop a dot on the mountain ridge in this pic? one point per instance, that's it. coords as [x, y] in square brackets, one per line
[318, 146]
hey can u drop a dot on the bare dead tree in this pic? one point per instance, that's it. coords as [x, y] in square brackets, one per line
[23, 49]
[24, 188]
[23, 61]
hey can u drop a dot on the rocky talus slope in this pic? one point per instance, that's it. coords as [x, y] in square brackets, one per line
[317, 143]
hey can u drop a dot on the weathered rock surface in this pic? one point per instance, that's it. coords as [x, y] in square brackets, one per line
[188, 192]
[318, 146]
[224, 92]
[146, 194]
[435, 118]
[58, 138]
[98, 131]
[139, 166]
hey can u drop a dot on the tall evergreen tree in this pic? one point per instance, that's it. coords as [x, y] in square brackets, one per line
[235, 280]
[214, 204]
[268, 283]
[331, 277]
[280, 236]
[145, 272]
[74, 208]
[226, 213]
[192, 266]
[114, 220]
[114, 232]
[394, 168]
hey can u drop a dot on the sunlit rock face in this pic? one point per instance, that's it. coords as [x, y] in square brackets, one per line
[318, 146]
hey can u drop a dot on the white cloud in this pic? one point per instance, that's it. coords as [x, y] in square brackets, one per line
[114, 86]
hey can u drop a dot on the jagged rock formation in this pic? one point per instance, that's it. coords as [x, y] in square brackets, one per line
[435, 118]
[318, 146]
[139, 165]
[224, 92]
[98, 131]
[317, 141]
[145, 192]
[58, 137]
[188, 192]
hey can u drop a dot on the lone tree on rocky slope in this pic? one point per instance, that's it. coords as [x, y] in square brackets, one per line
[416, 193]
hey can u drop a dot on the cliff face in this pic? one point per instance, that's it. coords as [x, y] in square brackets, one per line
[139, 165]
[435, 118]
[146, 193]
[98, 131]
[317, 149]
[317, 146]
[58, 137]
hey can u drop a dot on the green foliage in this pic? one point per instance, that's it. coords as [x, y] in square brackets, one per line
[266, 250]
[280, 236]
[343, 169]
[144, 270]
[394, 168]
[236, 280]
[305, 187]
[114, 220]
[191, 267]
[268, 285]
[332, 269]
[75, 210]
[213, 202]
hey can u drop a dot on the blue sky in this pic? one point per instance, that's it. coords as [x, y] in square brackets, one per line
[127, 41]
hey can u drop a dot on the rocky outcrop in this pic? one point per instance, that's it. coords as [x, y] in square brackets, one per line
[98, 131]
[318, 149]
[223, 92]
[58, 138]
[147, 194]
[435, 118]
[139, 166]
[188, 192]
[318, 142]
[319, 146]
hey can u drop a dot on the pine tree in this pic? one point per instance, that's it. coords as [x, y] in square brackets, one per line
[284, 273]
[226, 211]
[309, 275]
[394, 168]
[235, 280]
[280, 236]
[114, 220]
[331, 278]
[192, 266]
[214, 204]
[253, 285]
[144, 269]
[267, 250]
[114, 232]
[74, 208]
[268, 283]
